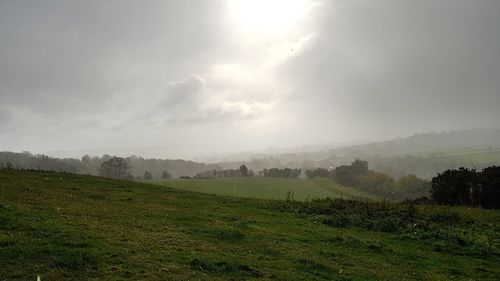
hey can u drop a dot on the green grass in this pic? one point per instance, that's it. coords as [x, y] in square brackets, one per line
[75, 227]
[267, 188]
[476, 156]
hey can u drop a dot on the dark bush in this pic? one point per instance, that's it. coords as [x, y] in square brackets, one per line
[468, 187]
[490, 188]
[454, 187]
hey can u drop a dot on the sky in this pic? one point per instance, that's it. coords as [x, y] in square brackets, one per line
[179, 79]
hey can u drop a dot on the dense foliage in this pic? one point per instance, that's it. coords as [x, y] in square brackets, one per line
[468, 187]
[490, 187]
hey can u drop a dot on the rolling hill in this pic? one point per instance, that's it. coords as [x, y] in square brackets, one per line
[423, 154]
[62, 226]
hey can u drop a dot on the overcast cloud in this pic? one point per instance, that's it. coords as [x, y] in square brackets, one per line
[181, 78]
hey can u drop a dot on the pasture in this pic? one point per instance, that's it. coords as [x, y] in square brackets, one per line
[267, 188]
[74, 227]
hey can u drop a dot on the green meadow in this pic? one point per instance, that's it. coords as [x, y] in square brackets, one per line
[73, 227]
[267, 188]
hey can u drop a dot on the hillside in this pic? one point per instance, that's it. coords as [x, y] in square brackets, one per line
[267, 188]
[422, 154]
[427, 143]
[75, 227]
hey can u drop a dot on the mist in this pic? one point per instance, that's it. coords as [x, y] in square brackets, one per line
[186, 79]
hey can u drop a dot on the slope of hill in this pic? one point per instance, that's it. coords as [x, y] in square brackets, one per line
[418, 144]
[267, 188]
[427, 143]
[74, 227]
[422, 154]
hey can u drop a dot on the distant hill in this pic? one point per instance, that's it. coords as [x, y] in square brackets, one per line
[427, 143]
[423, 154]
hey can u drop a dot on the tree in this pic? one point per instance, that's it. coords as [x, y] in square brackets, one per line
[378, 183]
[359, 167]
[490, 187]
[319, 172]
[411, 187]
[166, 175]
[147, 175]
[455, 187]
[116, 167]
[349, 174]
[345, 175]
[243, 171]
[8, 165]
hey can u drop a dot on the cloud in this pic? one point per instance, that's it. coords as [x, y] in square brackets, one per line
[79, 54]
[5, 115]
[192, 102]
[395, 67]
[186, 92]
[96, 73]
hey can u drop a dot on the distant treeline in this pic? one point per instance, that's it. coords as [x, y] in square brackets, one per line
[91, 164]
[243, 171]
[280, 173]
[423, 166]
[357, 175]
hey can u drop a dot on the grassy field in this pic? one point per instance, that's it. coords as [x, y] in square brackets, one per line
[476, 156]
[266, 188]
[75, 227]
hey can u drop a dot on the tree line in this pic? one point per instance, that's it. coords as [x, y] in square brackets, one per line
[281, 173]
[119, 168]
[91, 165]
[243, 171]
[359, 176]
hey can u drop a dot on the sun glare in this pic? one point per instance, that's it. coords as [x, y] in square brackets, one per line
[268, 16]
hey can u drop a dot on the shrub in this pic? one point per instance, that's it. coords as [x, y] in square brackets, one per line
[454, 187]
[490, 188]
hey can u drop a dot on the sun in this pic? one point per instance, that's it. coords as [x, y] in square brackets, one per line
[268, 16]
